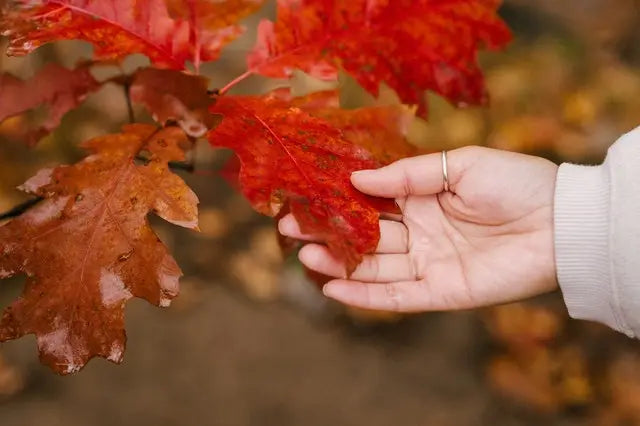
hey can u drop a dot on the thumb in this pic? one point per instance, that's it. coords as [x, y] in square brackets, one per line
[422, 175]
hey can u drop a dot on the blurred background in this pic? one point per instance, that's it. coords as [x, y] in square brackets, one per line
[251, 341]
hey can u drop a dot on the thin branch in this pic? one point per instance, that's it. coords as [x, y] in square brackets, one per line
[185, 166]
[173, 165]
[127, 95]
[20, 208]
[182, 165]
[125, 81]
[235, 81]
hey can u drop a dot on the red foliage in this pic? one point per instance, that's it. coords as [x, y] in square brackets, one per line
[116, 28]
[175, 96]
[412, 45]
[380, 130]
[212, 15]
[87, 248]
[208, 17]
[55, 88]
[290, 157]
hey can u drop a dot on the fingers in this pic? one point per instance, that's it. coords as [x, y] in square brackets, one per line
[289, 227]
[420, 175]
[404, 296]
[394, 237]
[374, 268]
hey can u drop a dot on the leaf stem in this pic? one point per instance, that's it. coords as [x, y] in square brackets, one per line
[127, 95]
[20, 208]
[235, 81]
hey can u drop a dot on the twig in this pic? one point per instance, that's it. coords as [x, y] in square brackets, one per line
[125, 81]
[20, 208]
[181, 165]
[235, 81]
[127, 95]
[185, 166]
[173, 165]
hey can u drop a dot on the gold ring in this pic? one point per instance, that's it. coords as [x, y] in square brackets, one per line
[445, 173]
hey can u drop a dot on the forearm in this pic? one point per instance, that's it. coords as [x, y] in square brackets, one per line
[597, 237]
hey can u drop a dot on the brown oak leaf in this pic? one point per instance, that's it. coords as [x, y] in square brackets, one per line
[87, 248]
[174, 95]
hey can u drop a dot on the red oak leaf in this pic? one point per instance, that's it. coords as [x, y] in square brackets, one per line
[412, 45]
[116, 28]
[213, 14]
[381, 130]
[174, 95]
[290, 157]
[55, 88]
[207, 15]
[88, 247]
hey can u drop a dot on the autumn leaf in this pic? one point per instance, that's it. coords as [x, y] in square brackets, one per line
[205, 17]
[290, 157]
[116, 28]
[175, 96]
[411, 45]
[57, 89]
[381, 130]
[212, 14]
[87, 248]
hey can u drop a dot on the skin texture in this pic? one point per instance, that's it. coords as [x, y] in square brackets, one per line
[487, 241]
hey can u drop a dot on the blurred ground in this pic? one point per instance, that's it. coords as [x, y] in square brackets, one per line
[251, 342]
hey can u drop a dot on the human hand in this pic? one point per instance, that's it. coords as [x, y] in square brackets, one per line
[487, 241]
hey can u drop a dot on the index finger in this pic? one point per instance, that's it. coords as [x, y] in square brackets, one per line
[421, 175]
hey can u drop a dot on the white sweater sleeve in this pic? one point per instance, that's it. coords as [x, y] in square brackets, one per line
[597, 237]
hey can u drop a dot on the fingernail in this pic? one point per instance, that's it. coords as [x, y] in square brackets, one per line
[283, 227]
[333, 290]
[326, 290]
[360, 176]
[361, 172]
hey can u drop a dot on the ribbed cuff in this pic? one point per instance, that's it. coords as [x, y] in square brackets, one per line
[582, 244]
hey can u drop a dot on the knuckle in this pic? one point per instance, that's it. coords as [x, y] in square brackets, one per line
[407, 183]
[471, 150]
[413, 263]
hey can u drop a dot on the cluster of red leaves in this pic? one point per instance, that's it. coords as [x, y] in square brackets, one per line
[87, 247]
[170, 34]
[410, 45]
